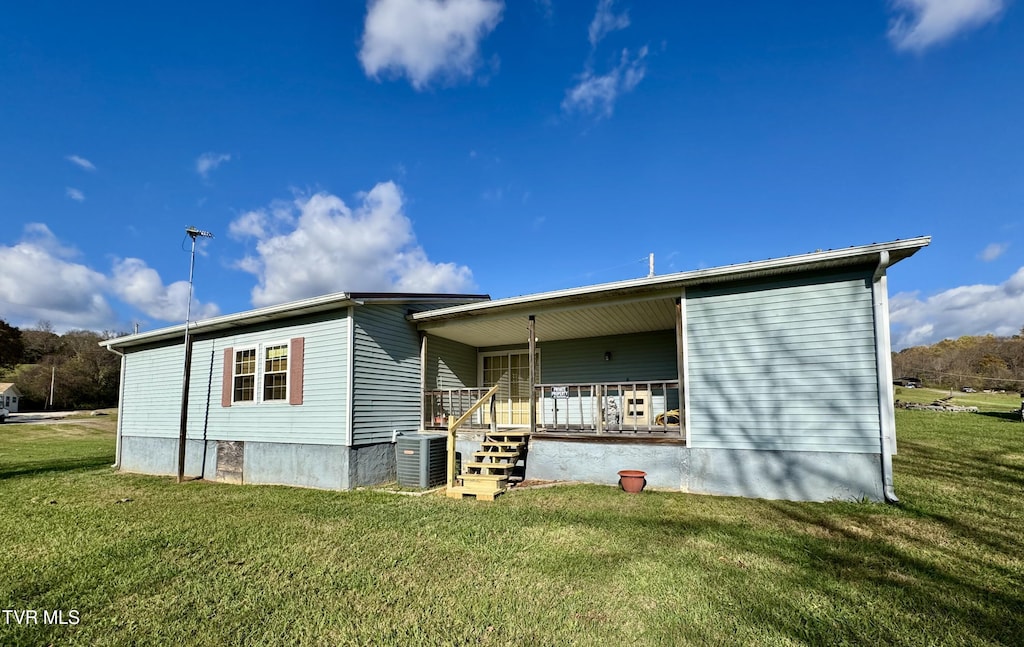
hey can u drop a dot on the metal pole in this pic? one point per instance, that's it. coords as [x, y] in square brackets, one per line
[186, 371]
[531, 327]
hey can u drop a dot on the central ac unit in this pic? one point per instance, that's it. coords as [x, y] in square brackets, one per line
[421, 459]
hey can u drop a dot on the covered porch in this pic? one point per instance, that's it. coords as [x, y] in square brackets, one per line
[572, 366]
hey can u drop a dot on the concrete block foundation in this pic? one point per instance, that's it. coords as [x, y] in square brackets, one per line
[327, 467]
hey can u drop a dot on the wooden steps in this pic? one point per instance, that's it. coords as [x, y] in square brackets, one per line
[484, 465]
[487, 475]
[515, 445]
[495, 455]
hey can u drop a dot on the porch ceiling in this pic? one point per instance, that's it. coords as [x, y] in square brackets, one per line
[640, 315]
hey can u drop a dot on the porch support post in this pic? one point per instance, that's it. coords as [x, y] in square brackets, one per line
[423, 379]
[681, 367]
[532, 328]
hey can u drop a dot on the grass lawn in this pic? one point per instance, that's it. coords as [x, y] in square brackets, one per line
[145, 561]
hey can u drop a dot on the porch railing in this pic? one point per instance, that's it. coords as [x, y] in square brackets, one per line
[609, 407]
[441, 405]
[455, 422]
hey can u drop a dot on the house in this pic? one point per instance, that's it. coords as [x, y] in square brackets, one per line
[9, 396]
[768, 379]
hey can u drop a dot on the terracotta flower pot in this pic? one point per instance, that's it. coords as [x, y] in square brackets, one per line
[632, 481]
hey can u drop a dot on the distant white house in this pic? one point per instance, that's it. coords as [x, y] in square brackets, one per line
[9, 396]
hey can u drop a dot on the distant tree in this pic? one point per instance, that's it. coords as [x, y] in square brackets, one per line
[40, 341]
[90, 373]
[84, 375]
[12, 347]
[984, 361]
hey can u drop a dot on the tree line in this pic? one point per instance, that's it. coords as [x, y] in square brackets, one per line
[83, 374]
[980, 362]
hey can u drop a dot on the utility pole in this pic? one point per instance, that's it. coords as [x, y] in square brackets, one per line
[193, 233]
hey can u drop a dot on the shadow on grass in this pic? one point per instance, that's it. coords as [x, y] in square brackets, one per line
[840, 561]
[1012, 416]
[35, 468]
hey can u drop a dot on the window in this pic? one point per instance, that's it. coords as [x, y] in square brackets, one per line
[275, 372]
[270, 372]
[245, 375]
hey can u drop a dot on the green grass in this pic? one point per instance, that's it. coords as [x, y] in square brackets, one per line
[146, 561]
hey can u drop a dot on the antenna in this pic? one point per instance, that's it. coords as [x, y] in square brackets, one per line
[197, 233]
[651, 260]
[193, 233]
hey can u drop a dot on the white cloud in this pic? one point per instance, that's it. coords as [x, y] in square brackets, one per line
[41, 282]
[920, 24]
[597, 94]
[993, 251]
[81, 162]
[140, 286]
[210, 161]
[426, 39]
[965, 310]
[252, 224]
[74, 194]
[328, 247]
[605, 22]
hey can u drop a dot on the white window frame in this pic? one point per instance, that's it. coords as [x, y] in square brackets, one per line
[260, 374]
[255, 375]
[261, 370]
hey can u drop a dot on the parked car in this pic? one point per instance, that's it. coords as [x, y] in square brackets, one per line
[3, 415]
[968, 389]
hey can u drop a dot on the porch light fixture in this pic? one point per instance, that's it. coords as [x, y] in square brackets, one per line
[607, 356]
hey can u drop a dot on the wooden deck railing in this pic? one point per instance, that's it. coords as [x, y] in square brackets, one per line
[454, 423]
[441, 405]
[609, 407]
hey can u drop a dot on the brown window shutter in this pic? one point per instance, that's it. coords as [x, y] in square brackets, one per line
[226, 378]
[295, 361]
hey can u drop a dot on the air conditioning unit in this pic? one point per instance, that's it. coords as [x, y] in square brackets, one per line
[421, 460]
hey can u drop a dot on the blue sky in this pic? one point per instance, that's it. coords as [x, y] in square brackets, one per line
[504, 148]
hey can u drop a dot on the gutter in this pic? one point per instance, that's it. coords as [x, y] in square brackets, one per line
[120, 401]
[883, 357]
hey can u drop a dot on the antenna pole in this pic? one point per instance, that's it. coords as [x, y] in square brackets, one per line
[652, 265]
[193, 233]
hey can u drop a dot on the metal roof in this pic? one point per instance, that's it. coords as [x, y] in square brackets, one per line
[327, 302]
[630, 306]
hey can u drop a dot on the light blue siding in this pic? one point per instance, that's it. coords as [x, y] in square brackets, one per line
[386, 374]
[152, 399]
[151, 404]
[638, 357]
[784, 366]
[321, 418]
[450, 365]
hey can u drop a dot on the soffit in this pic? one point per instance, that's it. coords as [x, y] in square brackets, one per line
[595, 320]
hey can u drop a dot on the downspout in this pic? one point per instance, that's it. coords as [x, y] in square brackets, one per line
[883, 358]
[120, 408]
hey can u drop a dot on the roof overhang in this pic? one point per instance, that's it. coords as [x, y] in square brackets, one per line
[325, 303]
[631, 306]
